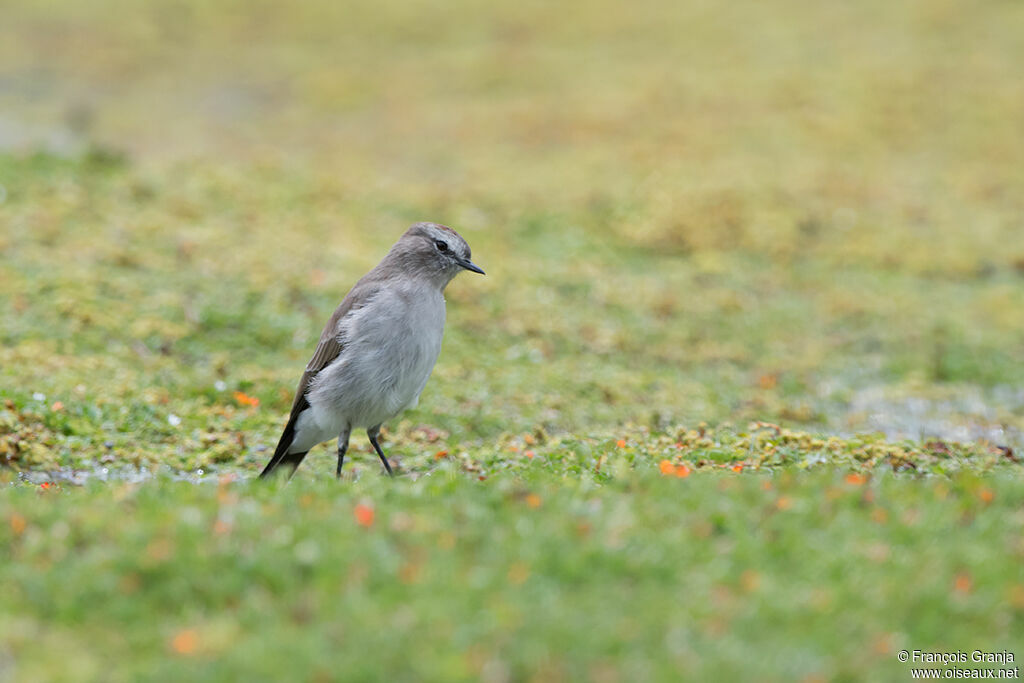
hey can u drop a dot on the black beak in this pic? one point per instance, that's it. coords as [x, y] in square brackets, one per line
[469, 265]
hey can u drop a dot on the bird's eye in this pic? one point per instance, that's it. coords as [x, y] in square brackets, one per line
[441, 246]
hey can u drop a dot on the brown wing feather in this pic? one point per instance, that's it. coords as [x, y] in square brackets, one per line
[326, 351]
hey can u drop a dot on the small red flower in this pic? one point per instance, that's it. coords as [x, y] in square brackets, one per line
[185, 642]
[668, 469]
[245, 399]
[364, 515]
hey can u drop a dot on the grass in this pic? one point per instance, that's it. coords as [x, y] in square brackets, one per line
[774, 248]
[542, 576]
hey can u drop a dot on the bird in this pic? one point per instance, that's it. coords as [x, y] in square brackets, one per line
[378, 348]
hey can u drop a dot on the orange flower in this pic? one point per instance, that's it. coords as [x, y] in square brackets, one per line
[440, 454]
[363, 515]
[621, 443]
[738, 467]
[46, 485]
[57, 406]
[17, 524]
[854, 479]
[668, 469]
[529, 454]
[784, 503]
[986, 496]
[533, 500]
[185, 642]
[245, 399]
[962, 583]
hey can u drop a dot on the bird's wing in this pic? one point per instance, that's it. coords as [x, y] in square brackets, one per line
[330, 345]
[327, 350]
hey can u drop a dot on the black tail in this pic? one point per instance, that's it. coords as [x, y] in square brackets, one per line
[281, 454]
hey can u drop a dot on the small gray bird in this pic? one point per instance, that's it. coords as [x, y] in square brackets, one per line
[378, 349]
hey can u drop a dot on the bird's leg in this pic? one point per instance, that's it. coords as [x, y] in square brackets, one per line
[342, 447]
[373, 433]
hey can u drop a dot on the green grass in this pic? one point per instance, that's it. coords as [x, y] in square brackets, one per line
[722, 576]
[773, 246]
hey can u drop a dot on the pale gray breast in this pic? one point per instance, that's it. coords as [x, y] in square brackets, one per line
[390, 347]
[417, 341]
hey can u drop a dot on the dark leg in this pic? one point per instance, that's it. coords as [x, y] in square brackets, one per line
[373, 432]
[342, 447]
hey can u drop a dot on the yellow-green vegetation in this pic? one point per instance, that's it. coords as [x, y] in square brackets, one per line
[742, 393]
[804, 576]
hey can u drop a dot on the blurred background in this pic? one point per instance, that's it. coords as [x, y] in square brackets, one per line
[688, 211]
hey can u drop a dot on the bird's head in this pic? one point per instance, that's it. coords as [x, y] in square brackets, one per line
[435, 251]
